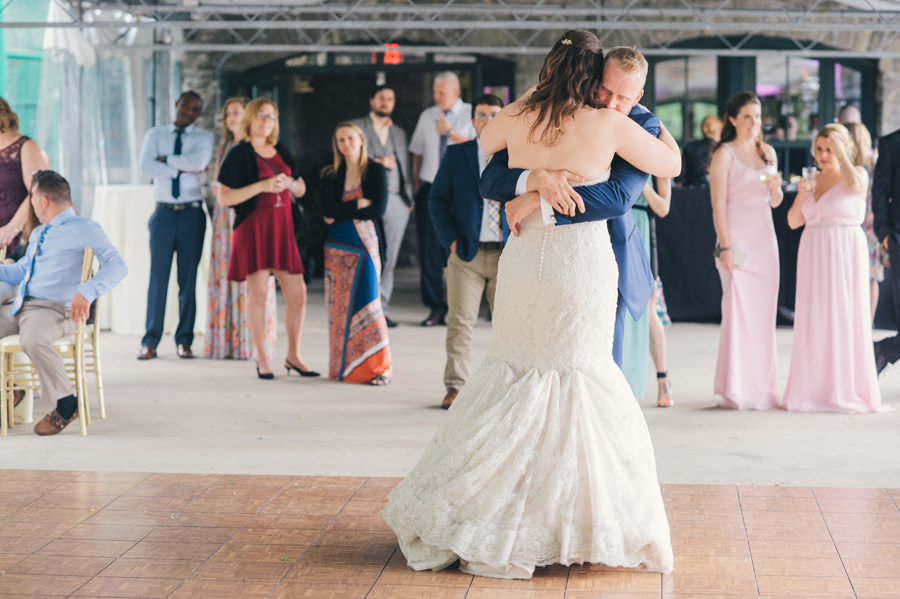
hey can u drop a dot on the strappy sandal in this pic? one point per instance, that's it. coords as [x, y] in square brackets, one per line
[380, 380]
[665, 398]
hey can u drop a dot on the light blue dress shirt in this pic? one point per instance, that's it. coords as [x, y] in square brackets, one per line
[196, 152]
[56, 275]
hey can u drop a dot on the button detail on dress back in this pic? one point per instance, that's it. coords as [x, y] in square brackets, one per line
[543, 247]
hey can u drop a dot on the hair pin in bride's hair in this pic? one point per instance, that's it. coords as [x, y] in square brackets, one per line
[567, 42]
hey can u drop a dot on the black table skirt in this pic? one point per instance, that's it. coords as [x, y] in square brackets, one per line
[686, 239]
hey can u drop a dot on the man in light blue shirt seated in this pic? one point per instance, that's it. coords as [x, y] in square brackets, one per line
[51, 298]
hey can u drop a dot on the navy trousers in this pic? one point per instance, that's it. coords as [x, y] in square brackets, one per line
[174, 232]
[890, 347]
[619, 331]
[432, 256]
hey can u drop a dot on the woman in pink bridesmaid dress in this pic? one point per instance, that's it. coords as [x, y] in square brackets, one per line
[832, 363]
[744, 187]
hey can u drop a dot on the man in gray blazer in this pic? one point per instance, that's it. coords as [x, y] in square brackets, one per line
[386, 143]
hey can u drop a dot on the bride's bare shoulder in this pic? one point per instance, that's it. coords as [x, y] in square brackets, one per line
[513, 109]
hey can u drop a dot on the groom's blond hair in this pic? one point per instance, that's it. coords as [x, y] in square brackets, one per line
[631, 62]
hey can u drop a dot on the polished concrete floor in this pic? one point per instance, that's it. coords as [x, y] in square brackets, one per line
[204, 481]
[215, 416]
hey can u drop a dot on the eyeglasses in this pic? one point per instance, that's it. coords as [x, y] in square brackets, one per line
[484, 116]
[265, 115]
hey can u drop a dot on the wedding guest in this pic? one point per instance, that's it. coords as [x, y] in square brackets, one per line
[849, 114]
[51, 298]
[744, 185]
[472, 229]
[174, 156]
[354, 195]
[227, 329]
[886, 211]
[256, 179]
[386, 144]
[447, 122]
[832, 364]
[695, 159]
[864, 156]
[647, 336]
[19, 157]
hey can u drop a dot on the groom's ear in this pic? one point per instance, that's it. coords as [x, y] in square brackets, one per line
[637, 100]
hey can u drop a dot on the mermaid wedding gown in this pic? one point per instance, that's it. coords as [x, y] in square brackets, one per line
[544, 456]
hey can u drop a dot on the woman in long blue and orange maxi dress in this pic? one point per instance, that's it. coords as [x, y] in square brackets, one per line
[354, 197]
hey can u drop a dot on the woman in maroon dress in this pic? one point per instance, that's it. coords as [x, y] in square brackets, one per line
[256, 180]
[19, 157]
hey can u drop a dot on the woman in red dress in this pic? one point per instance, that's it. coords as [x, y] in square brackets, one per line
[256, 180]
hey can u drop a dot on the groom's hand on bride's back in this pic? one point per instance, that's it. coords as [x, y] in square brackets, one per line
[556, 189]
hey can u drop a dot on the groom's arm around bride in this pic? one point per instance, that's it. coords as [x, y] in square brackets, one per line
[624, 75]
[601, 201]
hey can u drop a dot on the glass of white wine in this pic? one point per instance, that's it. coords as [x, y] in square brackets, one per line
[809, 174]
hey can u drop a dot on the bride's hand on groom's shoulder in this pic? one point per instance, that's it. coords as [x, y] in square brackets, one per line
[556, 188]
[519, 208]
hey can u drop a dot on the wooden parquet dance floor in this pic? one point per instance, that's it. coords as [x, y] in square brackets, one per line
[117, 535]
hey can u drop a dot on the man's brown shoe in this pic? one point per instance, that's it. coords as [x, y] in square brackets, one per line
[147, 353]
[18, 396]
[53, 423]
[452, 392]
[184, 351]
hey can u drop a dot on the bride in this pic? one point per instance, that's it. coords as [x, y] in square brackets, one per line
[545, 457]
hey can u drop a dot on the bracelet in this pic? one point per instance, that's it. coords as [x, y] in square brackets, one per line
[724, 249]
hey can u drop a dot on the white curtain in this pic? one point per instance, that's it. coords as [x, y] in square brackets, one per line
[86, 109]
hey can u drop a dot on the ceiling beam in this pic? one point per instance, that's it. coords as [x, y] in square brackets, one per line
[726, 25]
[490, 50]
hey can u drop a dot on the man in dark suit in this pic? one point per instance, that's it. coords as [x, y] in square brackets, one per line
[624, 74]
[472, 229]
[695, 158]
[886, 208]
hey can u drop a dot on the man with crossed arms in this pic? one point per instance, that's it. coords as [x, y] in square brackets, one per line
[624, 75]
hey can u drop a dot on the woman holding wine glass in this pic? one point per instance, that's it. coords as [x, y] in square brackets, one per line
[744, 186]
[257, 180]
[832, 363]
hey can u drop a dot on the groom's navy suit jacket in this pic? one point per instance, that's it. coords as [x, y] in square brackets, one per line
[611, 201]
[455, 204]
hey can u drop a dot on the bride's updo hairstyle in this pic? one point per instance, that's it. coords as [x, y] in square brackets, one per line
[569, 80]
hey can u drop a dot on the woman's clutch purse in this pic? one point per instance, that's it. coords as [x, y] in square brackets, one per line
[738, 254]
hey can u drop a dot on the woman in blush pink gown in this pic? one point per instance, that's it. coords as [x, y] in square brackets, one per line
[744, 186]
[832, 363]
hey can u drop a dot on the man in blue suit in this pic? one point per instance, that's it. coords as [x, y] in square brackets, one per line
[472, 229]
[624, 74]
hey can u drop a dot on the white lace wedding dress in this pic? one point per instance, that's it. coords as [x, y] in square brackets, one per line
[544, 457]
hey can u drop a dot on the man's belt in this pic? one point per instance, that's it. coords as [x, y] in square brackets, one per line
[181, 206]
[495, 246]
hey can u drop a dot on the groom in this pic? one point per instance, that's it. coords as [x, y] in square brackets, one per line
[624, 74]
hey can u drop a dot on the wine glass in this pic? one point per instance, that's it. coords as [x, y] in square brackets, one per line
[809, 174]
[278, 203]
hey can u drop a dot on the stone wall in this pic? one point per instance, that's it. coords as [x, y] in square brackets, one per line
[888, 93]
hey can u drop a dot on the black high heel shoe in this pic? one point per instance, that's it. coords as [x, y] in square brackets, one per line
[288, 366]
[267, 376]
